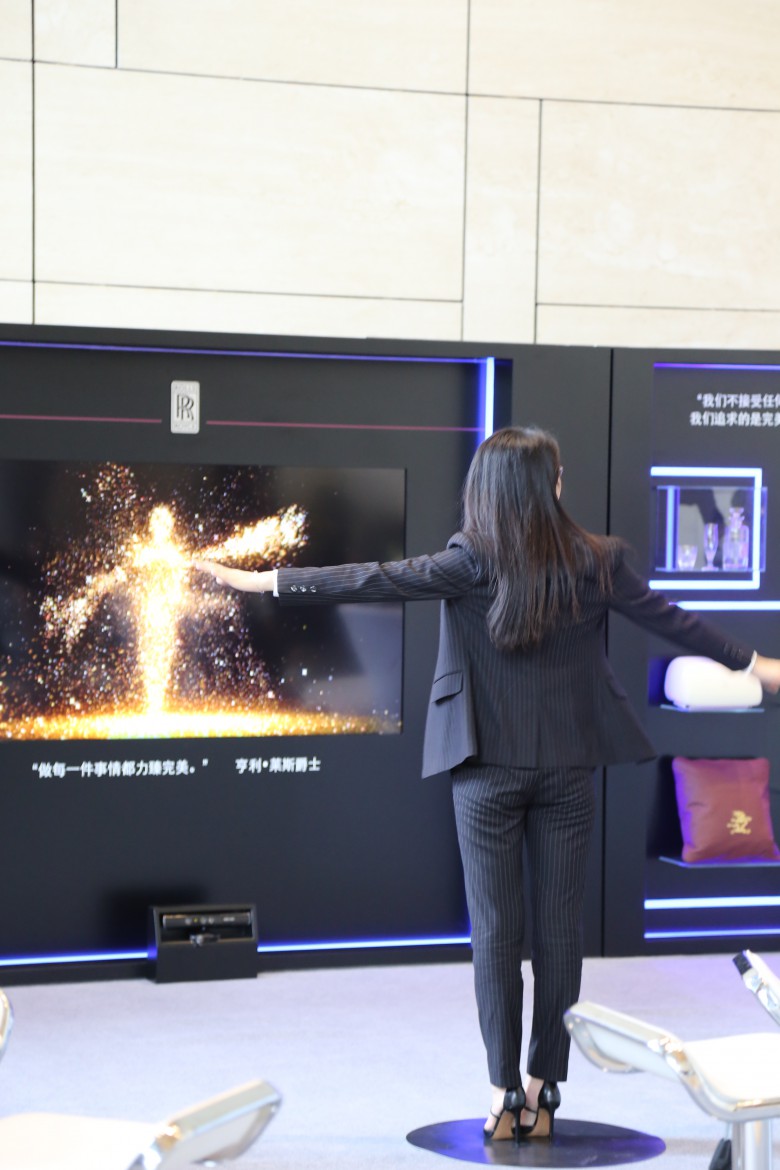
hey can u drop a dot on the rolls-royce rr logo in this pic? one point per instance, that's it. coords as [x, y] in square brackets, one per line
[185, 408]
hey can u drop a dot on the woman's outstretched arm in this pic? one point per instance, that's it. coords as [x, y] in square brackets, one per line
[449, 573]
[652, 611]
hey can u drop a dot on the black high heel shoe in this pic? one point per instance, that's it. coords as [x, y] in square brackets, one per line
[544, 1121]
[508, 1120]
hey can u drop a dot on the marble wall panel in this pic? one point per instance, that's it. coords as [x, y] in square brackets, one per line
[677, 52]
[79, 34]
[673, 208]
[406, 44]
[182, 182]
[715, 329]
[16, 133]
[16, 29]
[501, 204]
[16, 301]
[139, 308]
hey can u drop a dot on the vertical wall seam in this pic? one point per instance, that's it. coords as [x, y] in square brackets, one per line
[603, 866]
[538, 219]
[610, 408]
[466, 98]
[605, 771]
[32, 157]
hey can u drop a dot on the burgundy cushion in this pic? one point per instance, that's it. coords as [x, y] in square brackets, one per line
[724, 809]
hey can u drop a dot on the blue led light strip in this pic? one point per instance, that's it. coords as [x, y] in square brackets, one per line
[714, 366]
[95, 957]
[262, 949]
[742, 932]
[364, 945]
[487, 395]
[722, 605]
[671, 514]
[267, 353]
[726, 472]
[711, 903]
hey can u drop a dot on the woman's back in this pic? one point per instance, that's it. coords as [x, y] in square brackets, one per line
[554, 702]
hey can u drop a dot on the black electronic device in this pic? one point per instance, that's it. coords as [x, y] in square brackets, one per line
[183, 921]
[202, 942]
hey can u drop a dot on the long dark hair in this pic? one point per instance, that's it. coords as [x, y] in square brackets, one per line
[533, 550]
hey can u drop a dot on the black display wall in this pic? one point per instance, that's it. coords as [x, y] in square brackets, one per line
[333, 836]
[677, 412]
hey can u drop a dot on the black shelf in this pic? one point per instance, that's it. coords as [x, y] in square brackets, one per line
[697, 865]
[712, 710]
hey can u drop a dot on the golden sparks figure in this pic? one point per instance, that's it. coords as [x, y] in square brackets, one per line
[154, 572]
[135, 580]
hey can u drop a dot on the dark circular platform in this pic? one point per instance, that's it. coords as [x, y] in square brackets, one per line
[576, 1144]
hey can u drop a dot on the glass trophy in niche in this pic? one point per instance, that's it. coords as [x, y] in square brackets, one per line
[710, 533]
[736, 542]
[711, 544]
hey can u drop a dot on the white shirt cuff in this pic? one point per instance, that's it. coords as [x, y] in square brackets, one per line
[276, 594]
[749, 668]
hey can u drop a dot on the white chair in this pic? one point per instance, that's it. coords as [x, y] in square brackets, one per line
[761, 980]
[733, 1078]
[213, 1131]
[765, 985]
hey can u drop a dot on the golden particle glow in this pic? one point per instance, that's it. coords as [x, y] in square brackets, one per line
[187, 724]
[136, 644]
[155, 573]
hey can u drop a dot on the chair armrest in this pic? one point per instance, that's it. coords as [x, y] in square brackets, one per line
[761, 980]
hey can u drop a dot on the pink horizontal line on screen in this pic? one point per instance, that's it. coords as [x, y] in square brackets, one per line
[76, 418]
[339, 426]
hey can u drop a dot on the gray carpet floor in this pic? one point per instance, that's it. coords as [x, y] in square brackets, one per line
[362, 1056]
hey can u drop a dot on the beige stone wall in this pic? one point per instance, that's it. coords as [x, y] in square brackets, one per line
[574, 171]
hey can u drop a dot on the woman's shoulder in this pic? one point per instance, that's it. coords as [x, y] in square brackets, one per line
[468, 547]
[596, 549]
[460, 540]
[616, 549]
[464, 543]
[469, 544]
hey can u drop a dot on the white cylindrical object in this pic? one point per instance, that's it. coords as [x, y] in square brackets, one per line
[703, 684]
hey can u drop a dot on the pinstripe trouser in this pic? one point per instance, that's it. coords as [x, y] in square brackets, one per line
[496, 810]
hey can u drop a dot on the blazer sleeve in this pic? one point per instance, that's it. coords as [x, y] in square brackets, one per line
[449, 573]
[633, 597]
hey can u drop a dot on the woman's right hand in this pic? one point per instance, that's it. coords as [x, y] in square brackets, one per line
[767, 671]
[243, 579]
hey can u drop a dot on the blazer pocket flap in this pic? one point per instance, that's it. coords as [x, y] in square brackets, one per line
[446, 686]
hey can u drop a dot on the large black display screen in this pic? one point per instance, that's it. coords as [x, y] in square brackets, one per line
[166, 741]
[108, 632]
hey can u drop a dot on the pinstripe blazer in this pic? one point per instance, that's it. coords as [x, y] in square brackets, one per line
[556, 704]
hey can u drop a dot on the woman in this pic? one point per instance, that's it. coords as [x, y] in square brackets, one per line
[523, 706]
